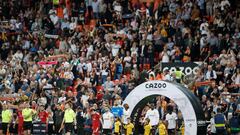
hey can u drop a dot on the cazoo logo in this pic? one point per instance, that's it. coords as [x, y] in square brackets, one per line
[156, 85]
[186, 70]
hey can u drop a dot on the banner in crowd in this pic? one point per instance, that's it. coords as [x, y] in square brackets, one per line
[186, 101]
[44, 63]
[187, 67]
[51, 36]
[56, 57]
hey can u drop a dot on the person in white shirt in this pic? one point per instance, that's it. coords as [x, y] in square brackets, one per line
[201, 4]
[153, 115]
[126, 114]
[236, 77]
[89, 50]
[63, 47]
[73, 24]
[68, 74]
[127, 61]
[80, 66]
[102, 8]
[95, 7]
[173, 6]
[54, 18]
[18, 56]
[65, 24]
[134, 49]
[84, 99]
[211, 74]
[62, 98]
[35, 26]
[89, 66]
[107, 122]
[3, 71]
[104, 72]
[212, 124]
[65, 12]
[65, 64]
[171, 118]
[167, 75]
[204, 26]
[170, 44]
[108, 85]
[73, 47]
[224, 4]
[115, 49]
[165, 55]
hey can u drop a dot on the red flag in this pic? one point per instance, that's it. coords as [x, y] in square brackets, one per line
[156, 4]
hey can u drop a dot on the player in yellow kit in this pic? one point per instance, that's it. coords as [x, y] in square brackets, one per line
[129, 127]
[147, 127]
[162, 130]
[182, 128]
[117, 126]
[6, 119]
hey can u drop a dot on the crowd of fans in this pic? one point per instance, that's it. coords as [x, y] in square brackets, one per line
[69, 64]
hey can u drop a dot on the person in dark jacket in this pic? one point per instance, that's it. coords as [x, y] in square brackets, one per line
[220, 121]
[80, 121]
[88, 125]
[57, 119]
[234, 124]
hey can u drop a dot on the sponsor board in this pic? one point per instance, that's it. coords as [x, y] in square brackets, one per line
[187, 67]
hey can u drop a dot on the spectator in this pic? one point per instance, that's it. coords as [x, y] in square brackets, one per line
[108, 85]
[211, 74]
[95, 7]
[179, 75]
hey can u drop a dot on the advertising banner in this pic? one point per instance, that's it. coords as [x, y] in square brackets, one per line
[187, 67]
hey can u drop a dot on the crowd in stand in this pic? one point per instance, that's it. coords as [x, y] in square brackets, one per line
[66, 66]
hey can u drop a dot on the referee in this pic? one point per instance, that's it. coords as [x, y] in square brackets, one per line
[27, 113]
[69, 120]
[6, 119]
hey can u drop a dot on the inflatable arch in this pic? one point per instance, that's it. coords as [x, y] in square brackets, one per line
[186, 101]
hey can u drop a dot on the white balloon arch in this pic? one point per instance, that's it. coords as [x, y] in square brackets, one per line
[186, 101]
